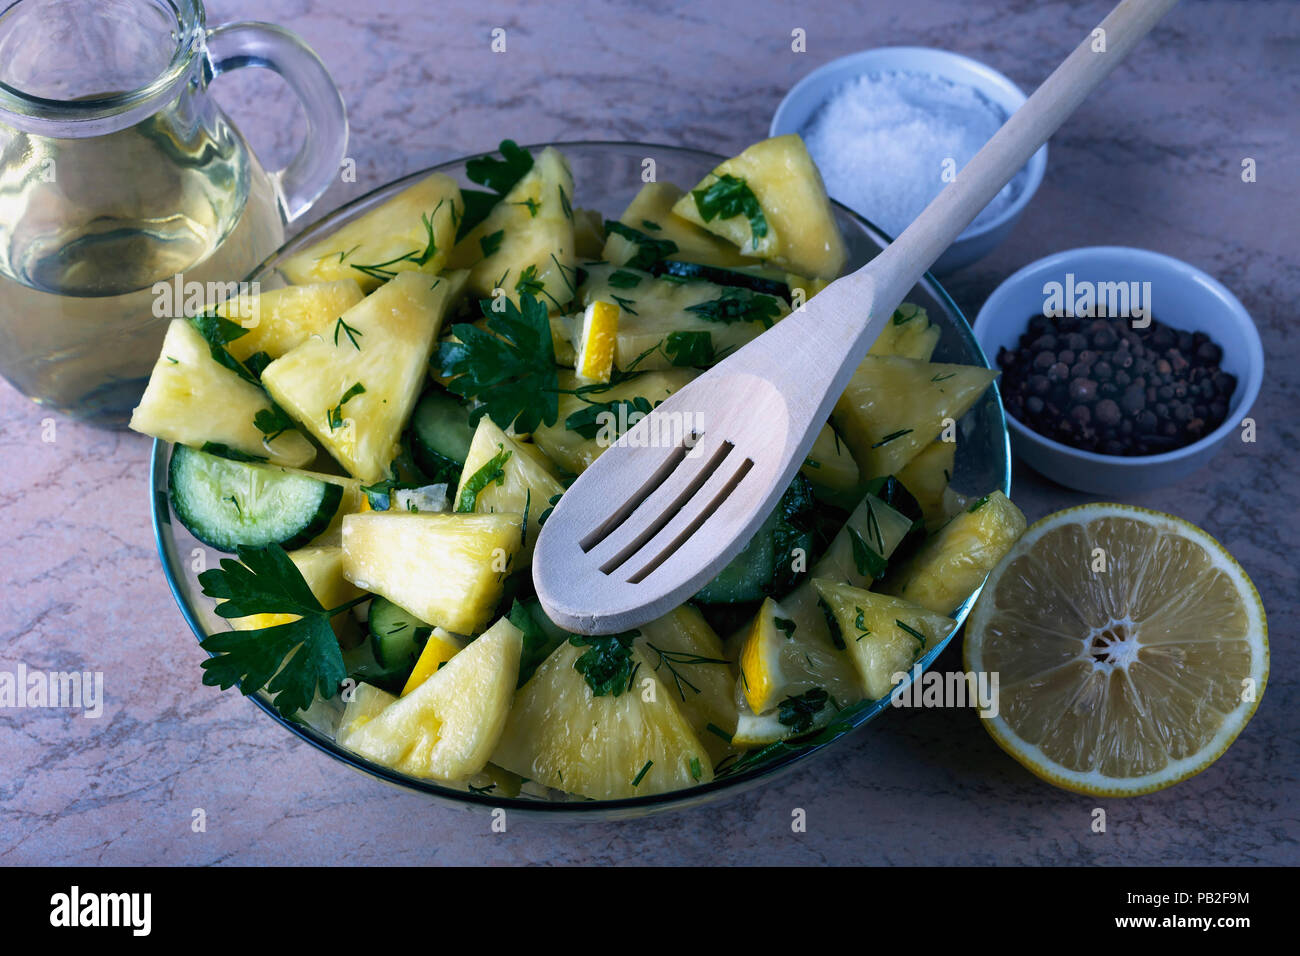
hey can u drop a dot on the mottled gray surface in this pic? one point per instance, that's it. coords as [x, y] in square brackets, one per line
[1152, 159]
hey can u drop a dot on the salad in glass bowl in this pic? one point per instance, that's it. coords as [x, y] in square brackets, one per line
[376, 431]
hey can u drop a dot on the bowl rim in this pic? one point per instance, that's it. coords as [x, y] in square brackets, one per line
[1180, 270]
[783, 120]
[736, 783]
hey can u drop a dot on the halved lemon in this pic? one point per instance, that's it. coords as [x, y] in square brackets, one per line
[1131, 649]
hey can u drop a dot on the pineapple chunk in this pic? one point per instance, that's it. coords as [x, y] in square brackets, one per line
[562, 339]
[322, 569]
[801, 229]
[651, 212]
[563, 736]
[318, 382]
[830, 467]
[573, 451]
[588, 233]
[885, 635]
[958, 557]
[367, 703]
[908, 334]
[280, 319]
[192, 400]
[536, 454]
[525, 485]
[806, 288]
[412, 231]
[526, 243]
[873, 525]
[926, 476]
[688, 660]
[446, 569]
[893, 407]
[446, 728]
[654, 309]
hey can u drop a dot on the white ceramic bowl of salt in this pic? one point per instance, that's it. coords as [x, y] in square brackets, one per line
[890, 127]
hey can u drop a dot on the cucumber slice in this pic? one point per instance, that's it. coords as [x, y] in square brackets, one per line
[754, 281]
[764, 566]
[441, 435]
[747, 576]
[228, 504]
[396, 635]
[362, 667]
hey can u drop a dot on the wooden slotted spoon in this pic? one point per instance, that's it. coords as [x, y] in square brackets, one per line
[665, 508]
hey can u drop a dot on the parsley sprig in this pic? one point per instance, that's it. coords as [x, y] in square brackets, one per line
[649, 250]
[509, 367]
[219, 332]
[499, 176]
[590, 419]
[334, 417]
[798, 712]
[730, 196]
[494, 469]
[607, 664]
[866, 559]
[292, 661]
[272, 422]
[684, 349]
[738, 304]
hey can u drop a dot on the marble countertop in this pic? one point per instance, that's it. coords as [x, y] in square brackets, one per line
[1152, 159]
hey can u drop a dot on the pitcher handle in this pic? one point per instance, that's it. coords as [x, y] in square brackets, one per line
[311, 172]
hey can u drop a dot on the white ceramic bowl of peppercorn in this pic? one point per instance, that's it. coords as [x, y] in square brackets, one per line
[1119, 405]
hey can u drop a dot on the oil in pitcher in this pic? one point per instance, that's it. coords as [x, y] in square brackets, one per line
[121, 182]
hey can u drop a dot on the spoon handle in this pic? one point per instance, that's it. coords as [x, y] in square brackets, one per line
[899, 267]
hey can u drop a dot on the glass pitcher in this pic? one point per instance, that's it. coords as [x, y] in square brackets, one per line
[122, 183]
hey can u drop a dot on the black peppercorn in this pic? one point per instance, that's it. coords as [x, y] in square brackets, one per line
[1134, 400]
[1083, 390]
[1101, 385]
[1108, 412]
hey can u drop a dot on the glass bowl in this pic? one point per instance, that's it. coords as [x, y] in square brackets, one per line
[607, 175]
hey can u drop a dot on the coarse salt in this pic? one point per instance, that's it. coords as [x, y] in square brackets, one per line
[885, 142]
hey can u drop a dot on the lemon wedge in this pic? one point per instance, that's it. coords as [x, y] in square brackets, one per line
[441, 647]
[763, 679]
[597, 342]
